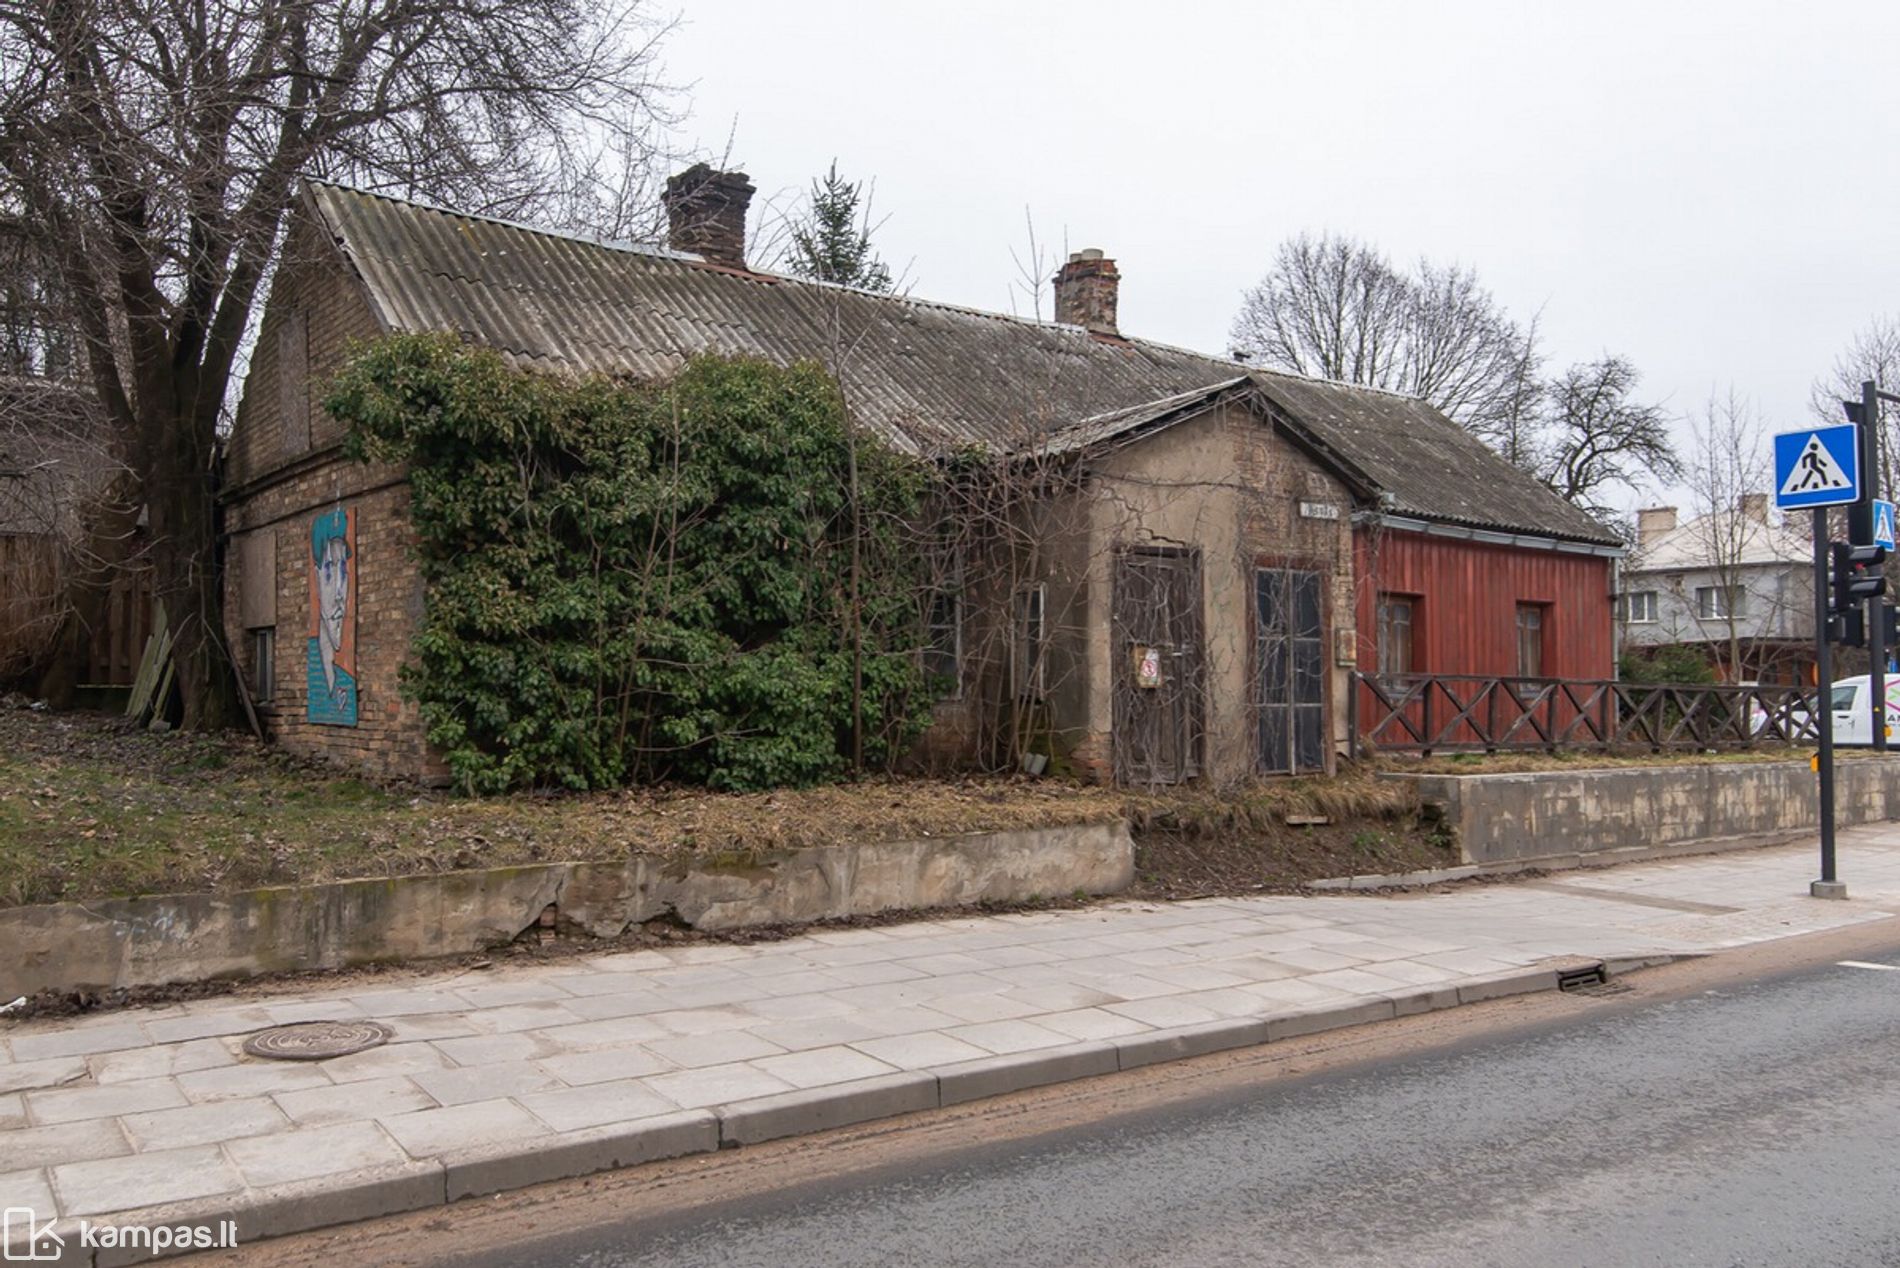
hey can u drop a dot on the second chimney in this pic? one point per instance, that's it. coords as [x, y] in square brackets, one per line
[1654, 522]
[1086, 291]
[705, 213]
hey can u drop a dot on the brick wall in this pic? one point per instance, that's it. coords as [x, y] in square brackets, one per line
[283, 470]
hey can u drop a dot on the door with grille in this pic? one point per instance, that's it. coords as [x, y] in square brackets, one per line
[1290, 671]
[1155, 638]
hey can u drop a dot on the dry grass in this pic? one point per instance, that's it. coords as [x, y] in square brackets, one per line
[90, 808]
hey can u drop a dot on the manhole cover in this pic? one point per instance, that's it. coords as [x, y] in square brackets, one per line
[316, 1040]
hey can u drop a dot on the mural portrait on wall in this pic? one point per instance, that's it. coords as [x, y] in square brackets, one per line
[332, 699]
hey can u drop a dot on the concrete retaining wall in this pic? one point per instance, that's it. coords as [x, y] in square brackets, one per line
[194, 937]
[1560, 815]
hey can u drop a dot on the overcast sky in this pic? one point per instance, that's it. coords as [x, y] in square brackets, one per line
[1709, 189]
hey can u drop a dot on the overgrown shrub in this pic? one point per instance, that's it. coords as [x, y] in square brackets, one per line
[635, 583]
[1672, 665]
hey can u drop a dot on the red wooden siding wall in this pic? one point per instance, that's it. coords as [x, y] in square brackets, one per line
[1465, 599]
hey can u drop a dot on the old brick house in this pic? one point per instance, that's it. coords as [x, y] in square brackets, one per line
[1190, 602]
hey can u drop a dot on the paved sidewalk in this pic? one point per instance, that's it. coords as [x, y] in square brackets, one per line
[501, 1078]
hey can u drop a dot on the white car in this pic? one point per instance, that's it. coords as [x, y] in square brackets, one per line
[1853, 708]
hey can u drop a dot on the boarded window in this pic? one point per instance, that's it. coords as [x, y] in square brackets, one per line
[257, 578]
[1030, 639]
[293, 382]
[1395, 635]
[943, 656]
[1530, 640]
[263, 664]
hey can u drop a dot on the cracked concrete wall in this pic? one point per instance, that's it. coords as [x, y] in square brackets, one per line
[196, 937]
[1552, 814]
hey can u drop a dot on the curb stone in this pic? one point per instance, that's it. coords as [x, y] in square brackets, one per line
[359, 1196]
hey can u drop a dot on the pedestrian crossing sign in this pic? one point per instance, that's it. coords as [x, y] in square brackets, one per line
[1883, 523]
[1817, 466]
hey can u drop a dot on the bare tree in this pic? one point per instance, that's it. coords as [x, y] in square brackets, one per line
[159, 147]
[1873, 353]
[1336, 308]
[1727, 471]
[1597, 436]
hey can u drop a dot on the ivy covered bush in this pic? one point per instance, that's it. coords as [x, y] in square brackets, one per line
[639, 583]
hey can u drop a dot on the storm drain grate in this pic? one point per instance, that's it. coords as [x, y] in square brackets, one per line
[1582, 979]
[317, 1040]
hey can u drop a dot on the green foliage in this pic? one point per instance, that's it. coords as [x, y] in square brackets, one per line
[1673, 665]
[636, 583]
[832, 243]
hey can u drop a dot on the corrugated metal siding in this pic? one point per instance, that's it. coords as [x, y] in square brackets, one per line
[1466, 619]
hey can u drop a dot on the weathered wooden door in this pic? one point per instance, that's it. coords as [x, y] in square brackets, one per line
[1156, 642]
[1290, 671]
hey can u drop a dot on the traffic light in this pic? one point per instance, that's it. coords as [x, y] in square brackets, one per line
[1855, 576]
[1849, 628]
[1890, 622]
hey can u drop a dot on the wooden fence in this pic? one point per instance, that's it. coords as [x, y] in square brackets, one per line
[1428, 713]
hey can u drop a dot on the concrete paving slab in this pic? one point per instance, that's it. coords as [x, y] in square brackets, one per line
[816, 1067]
[71, 1104]
[716, 1085]
[597, 1105]
[203, 1124]
[115, 1184]
[352, 1102]
[310, 1152]
[479, 1125]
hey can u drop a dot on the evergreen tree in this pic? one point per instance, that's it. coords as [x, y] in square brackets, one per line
[831, 241]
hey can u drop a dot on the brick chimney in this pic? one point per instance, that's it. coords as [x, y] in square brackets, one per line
[705, 212]
[1655, 522]
[1753, 506]
[1086, 290]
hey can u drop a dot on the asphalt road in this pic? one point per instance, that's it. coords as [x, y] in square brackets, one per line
[1749, 1124]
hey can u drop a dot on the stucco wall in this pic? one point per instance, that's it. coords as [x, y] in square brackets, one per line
[1227, 485]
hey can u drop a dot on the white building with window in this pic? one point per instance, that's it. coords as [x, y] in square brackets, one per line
[1735, 584]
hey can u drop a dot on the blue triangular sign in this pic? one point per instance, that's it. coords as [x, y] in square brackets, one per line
[1883, 524]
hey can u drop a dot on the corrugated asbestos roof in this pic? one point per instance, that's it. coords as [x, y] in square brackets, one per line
[929, 376]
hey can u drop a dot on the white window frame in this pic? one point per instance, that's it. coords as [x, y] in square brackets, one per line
[1650, 608]
[1722, 602]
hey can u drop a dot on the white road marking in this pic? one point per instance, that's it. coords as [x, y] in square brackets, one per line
[1863, 964]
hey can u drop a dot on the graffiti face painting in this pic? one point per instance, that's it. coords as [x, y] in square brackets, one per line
[332, 698]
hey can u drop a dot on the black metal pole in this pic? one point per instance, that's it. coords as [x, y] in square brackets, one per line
[1828, 886]
[1876, 626]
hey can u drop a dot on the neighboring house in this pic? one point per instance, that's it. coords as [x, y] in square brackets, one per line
[1205, 582]
[56, 468]
[1736, 584]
